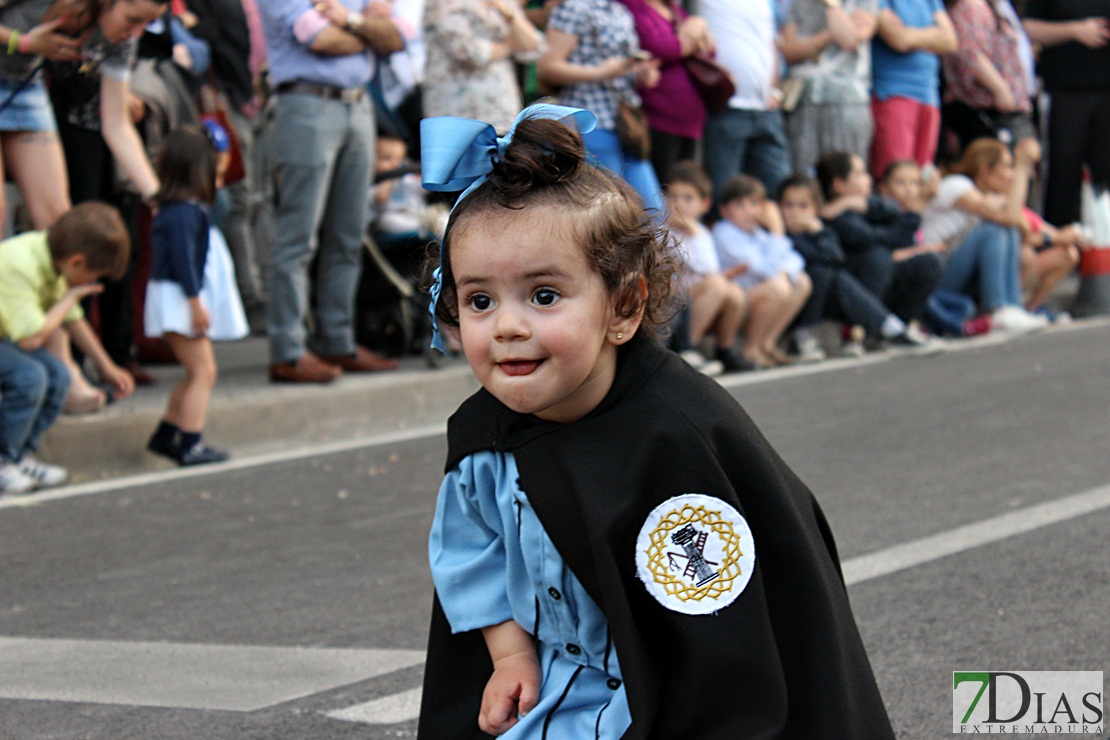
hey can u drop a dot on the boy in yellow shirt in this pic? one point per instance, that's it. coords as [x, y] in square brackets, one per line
[43, 277]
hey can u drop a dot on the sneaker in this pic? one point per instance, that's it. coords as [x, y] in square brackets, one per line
[808, 349]
[201, 454]
[699, 362]
[13, 480]
[1015, 320]
[916, 341]
[734, 363]
[43, 474]
[853, 348]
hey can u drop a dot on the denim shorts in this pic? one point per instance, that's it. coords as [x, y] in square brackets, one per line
[28, 110]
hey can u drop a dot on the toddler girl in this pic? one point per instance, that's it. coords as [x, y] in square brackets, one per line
[191, 297]
[616, 549]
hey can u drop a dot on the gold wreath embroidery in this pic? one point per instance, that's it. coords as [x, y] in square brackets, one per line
[728, 569]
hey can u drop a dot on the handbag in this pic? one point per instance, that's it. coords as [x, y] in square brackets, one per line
[712, 81]
[632, 130]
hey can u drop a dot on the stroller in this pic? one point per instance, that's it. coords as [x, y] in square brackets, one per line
[391, 310]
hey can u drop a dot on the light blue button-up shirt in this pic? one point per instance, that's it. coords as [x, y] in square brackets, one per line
[492, 561]
[290, 59]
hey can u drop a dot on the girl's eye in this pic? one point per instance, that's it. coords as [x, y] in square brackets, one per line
[545, 297]
[479, 302]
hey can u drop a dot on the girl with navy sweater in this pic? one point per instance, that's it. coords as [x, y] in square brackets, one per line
[183, 290]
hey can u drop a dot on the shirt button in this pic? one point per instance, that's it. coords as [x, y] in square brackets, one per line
[554, 593]
[573, 649]
[613, 683]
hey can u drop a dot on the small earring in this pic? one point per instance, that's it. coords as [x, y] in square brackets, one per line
[620, 336]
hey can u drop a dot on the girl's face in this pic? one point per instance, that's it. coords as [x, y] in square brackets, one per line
[999, 177]
[904, 186]
[536, 320]
[686, 201]
[743, 212]
[858, 181]
[798, 209]
[126, 19]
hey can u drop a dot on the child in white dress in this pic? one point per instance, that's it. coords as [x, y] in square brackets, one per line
[191, 298]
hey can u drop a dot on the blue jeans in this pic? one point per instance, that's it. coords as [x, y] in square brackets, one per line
[636, 172]
[988, 264]
[33, 387]
[323, 157]
[747, 141]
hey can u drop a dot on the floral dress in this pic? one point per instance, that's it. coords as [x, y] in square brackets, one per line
[460, 77]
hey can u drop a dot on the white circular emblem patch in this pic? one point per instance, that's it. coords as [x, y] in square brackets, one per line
[695, 554]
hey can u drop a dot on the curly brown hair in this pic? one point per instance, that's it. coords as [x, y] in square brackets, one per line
[545, 167]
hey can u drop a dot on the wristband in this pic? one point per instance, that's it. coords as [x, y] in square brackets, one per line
[13, 41]
[355, 22]
[24, 44]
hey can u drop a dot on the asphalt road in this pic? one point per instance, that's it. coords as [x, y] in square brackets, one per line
[969, 493]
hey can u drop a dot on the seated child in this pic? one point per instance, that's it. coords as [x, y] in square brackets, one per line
[753, 248]
[43, 277]
[1048, 255]
[837, 294]
[879, 238]
[714, 302]
[399, 213]
[616, 549]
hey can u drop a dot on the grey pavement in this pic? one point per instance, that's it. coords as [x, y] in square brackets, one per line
[969, 493]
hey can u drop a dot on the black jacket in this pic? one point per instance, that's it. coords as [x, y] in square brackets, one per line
[784, 660]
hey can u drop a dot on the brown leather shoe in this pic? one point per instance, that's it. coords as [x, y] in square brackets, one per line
[362, 361]
[307, 369]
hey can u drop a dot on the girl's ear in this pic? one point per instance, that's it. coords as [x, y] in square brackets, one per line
[623, 328]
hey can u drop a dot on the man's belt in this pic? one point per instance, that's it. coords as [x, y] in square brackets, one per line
[331, 92]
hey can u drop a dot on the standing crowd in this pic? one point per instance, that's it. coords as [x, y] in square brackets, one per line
[903, 167]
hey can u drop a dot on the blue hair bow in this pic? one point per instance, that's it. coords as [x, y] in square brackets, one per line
[459, 153]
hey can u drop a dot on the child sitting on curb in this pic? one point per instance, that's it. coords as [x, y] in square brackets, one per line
[43, 277]
[752, 245]
[714, 302]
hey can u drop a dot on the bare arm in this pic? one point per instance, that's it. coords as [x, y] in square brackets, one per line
[56, 315]
[939, 38]
[514, 687]
[523, 36]
[122, 138]
[1091, 32]
[83, 336]
[554, 68]
[989, 77]
[797, 48]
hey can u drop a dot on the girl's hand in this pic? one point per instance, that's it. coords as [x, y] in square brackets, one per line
[200, 319]
[512, 690]
[57, 47]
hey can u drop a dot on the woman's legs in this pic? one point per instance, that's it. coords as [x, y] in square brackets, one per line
[992, 253]
[187, 407]
[35, 162]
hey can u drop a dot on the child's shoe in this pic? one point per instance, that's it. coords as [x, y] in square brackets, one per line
[734, 363]
[12, 480]
[853, 343]
[160, 445]
[201, 454]
[806, 348]
[43, 474]
[699, 362]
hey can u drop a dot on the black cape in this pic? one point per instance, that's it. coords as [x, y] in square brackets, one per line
[784, 660]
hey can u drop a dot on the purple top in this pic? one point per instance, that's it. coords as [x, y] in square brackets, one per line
[673, 106]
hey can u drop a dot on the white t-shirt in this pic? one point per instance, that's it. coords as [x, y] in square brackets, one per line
[699, 253]
[942, 221]
[745, 34]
